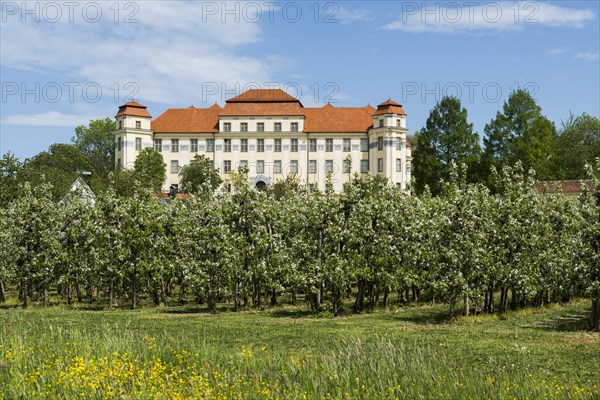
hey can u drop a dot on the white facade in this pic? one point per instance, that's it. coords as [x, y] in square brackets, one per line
[273, 146]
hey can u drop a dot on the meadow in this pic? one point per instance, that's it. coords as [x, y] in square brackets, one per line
[287, 352]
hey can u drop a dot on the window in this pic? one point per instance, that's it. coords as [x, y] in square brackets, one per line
[277, 126]
[260, 126]
[244, 146]
[194, 145]
[312, 145]
[347, 165]
[381, 123]
[312, 166]
[294, 145]
[294, 167]
[329, 145]
[119, 165]
[347, 143]
[311, 188]
[364, 144]
[408, 169]
[398, 144]
[243, 163]
[380, 165]
[174, 166]
[119, 144]
[227, 126]
[277, 166]
[329, 166]
[260, 167]
[210, 145]
[138, 144]
[158, 145]
[364, 166]
[398, 165]
[120, 124]
[227, 145]
[260, 145]
[278, 145]
[174, 145]
[379, 143]
[138, 124]
[226, 166]
[294, 127]
[244, 127]
[398, 123]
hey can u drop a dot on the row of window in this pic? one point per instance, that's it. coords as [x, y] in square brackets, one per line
[260, 127]
[398, 123]
[260, 145]
[293, 169]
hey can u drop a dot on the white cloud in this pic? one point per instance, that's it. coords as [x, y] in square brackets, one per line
[50, 118]
[556, 52]
[346, 15]
[487, 17]
[173, 48]
[589, 56]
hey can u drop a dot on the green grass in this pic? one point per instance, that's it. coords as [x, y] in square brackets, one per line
[183, 352]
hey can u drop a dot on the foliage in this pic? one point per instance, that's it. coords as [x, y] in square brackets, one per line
[520, 133]
[199, 176]
[11, 169]
[254, 247]
[446, 137]
[97, 143]
[150, 169]
[578, 144]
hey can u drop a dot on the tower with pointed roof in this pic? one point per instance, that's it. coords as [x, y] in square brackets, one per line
[275, 136]
[389, 151]
[133, 133]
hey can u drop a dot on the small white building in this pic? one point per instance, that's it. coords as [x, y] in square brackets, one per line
[274, 135]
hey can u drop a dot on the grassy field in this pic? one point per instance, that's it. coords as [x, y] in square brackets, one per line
[412, 352]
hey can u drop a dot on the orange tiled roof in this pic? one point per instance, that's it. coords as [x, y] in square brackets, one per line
[191, 120]
[263, 96]
[389, 107]
[337, 119]
[261, 108]
[568, 187]
[133, 108]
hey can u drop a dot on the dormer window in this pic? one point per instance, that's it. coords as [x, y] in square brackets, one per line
[294, 127]
[227, 126]
[381, 123]
[138, 124]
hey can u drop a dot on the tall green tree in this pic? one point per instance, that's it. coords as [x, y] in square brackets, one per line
[520, 133]
[578, 144]
[60, 166]
[97, 143]
[447, 136]
[199, 176]
[150, 169]
[11, 168]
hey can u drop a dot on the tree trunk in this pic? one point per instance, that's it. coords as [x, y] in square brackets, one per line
[490, 308]
[79, 296]
[25, 296]
[595, 314]
[134, 293]
[46, 300]
[358, 303]
[2, 292]
[273, 297]
[466, 305]
[111, 295]
[452, 306]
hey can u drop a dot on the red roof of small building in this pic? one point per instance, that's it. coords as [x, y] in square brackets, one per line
[337, 119]
[566, 187]
[133, 108]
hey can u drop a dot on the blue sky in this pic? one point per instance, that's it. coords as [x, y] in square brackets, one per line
[63, 64]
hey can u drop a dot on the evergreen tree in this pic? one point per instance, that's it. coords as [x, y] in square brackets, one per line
[446, 137]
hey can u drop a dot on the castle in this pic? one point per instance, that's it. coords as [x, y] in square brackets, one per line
[274, 135]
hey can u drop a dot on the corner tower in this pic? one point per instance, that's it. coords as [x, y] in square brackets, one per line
[133, 133]
[389, 152]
